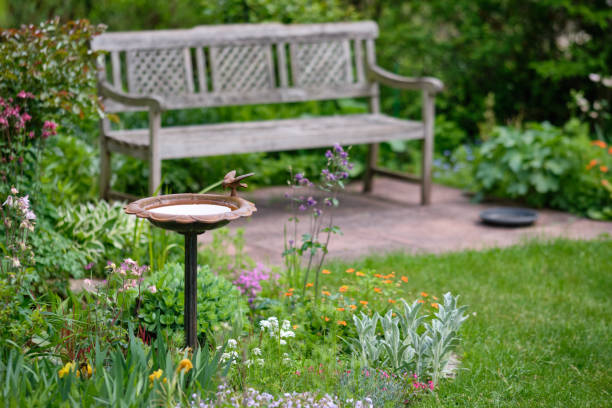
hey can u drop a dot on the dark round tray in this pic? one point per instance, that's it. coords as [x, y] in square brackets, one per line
[509, 216]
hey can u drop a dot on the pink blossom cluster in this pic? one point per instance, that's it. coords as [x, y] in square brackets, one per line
[129, 272]
[249, 281]
[12, 115]
[22, 206]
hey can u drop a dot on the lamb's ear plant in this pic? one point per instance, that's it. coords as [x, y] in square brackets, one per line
[367, 345]
[393, 344]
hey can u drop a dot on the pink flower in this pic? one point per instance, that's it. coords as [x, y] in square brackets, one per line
[153, 289]
[26, 117]
[24, 95]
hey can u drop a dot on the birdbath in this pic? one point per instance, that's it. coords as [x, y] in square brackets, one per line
[191, 215]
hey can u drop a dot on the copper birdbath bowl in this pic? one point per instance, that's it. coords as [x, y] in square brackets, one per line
[191, 215]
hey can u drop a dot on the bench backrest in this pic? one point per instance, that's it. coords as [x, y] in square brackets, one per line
[240, 64]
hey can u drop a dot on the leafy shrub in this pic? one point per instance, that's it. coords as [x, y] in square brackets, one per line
[163, 301]
[547, 166]
[404, 346]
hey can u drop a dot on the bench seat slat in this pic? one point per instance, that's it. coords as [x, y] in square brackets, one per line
[264, 136]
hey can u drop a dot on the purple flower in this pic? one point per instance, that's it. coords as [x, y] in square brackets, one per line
[311, 202]
[302, 207]
[298, 177]
[89, 266]
[317, 212]
[328, 202]
[249, 281]
[338, 148]
[329, 154]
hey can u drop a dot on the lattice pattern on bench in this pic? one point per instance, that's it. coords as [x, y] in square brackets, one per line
[245, 68]
[321, 64]
[159, 72]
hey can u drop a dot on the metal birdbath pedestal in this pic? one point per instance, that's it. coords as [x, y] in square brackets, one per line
[191, 215]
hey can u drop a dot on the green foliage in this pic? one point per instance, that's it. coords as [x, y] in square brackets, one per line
[69, 170]
[163, 306]
[547, 166]
[53, 62]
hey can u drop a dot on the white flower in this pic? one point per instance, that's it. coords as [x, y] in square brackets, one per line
[286, 324]
[219, 348]
[231, 343]
[283, 342]
[14, 190]
[595, 77]
[607, 82]
[264, 324]
[286, 333]
[256, 351]
[260, 362]
[248, 363]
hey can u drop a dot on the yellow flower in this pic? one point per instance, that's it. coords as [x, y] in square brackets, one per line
[155, 375]
[360, 274]
[86, 370]
[66, 369]
[343, 288]
[350, 270]
[325, 272]
[185, 364]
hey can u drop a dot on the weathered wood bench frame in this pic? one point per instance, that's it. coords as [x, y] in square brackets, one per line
[225, 65]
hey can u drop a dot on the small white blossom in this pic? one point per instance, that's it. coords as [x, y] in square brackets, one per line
[595, 77]
[286, 333]
[231, 343]
[607, 82]
[256, 351]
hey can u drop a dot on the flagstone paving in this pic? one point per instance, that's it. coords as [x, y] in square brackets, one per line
[391, 219]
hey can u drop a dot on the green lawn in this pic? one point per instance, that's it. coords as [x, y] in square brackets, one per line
[541, 332]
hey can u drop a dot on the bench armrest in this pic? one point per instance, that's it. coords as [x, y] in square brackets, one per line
[106, 90]
[429, 84]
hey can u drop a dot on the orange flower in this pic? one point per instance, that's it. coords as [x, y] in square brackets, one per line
[599, 143]
[364, 302]
[421, 301]
[350, 270]
[360, 274]
[378, 275]
[340, 309]
[325, 318]
[326, 293]
[353, 307]
[388, 281]
[342, 322]
[378, 290]
[404, 278]
[603, 169]
[289, 294]
[308, 285]
[434, 305]
[295, 326]
[325, 272]
[393, 314]
[591, 164]
[610, 150]
[605, 183]
[290, 290]
[434, 298]
[424, 294]
[388, 276]
[343, 288]
[392, 301]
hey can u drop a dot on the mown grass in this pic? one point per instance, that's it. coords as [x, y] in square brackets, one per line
[541, 333]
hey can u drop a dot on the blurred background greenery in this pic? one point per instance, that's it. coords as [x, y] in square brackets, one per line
[504, 62]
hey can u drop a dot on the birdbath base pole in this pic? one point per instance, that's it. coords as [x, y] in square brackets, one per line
[191, 288]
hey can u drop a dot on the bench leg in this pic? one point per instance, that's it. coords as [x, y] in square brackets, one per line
[372, 161]
[428, 142]
[154, 153]
[105, 163]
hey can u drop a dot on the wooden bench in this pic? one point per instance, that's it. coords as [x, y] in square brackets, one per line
[209, 66]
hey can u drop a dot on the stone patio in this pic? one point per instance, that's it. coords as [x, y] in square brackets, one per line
[390, 218]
